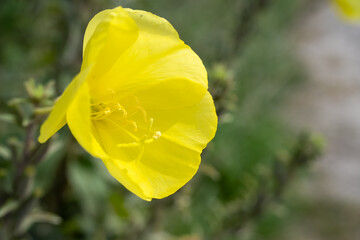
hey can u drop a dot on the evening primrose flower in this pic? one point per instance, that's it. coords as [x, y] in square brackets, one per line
[349, 9]
[140, 102]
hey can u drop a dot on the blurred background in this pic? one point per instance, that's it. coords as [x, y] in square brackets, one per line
[283, 165]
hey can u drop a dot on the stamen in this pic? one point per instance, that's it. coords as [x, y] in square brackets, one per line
[145, 139]
[102, 111]
[133, 124]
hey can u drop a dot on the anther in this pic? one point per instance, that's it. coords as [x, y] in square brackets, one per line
[157, 135]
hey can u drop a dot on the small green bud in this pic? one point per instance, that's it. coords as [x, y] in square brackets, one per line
[30, 171]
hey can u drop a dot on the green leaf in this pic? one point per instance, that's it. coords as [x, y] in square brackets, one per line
[117, 202]
[89, 184]
[7, 118]
[5, 152]
[9, 206]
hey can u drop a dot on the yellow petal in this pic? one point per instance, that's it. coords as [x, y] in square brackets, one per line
[150, 23]
[171, 94]
[56, 119]
[192, 127]
[119, 171]
[157, 55]
[350, 9]
[107, 36]
[80, 124]
[163, 169]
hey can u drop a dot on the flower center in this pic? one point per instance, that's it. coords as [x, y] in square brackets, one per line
[140, 130]
[102, 110]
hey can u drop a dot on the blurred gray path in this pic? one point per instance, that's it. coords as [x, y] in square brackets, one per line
[330, 103]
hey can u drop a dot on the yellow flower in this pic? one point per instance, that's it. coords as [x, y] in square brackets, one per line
[349, 9]
[140, 102]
